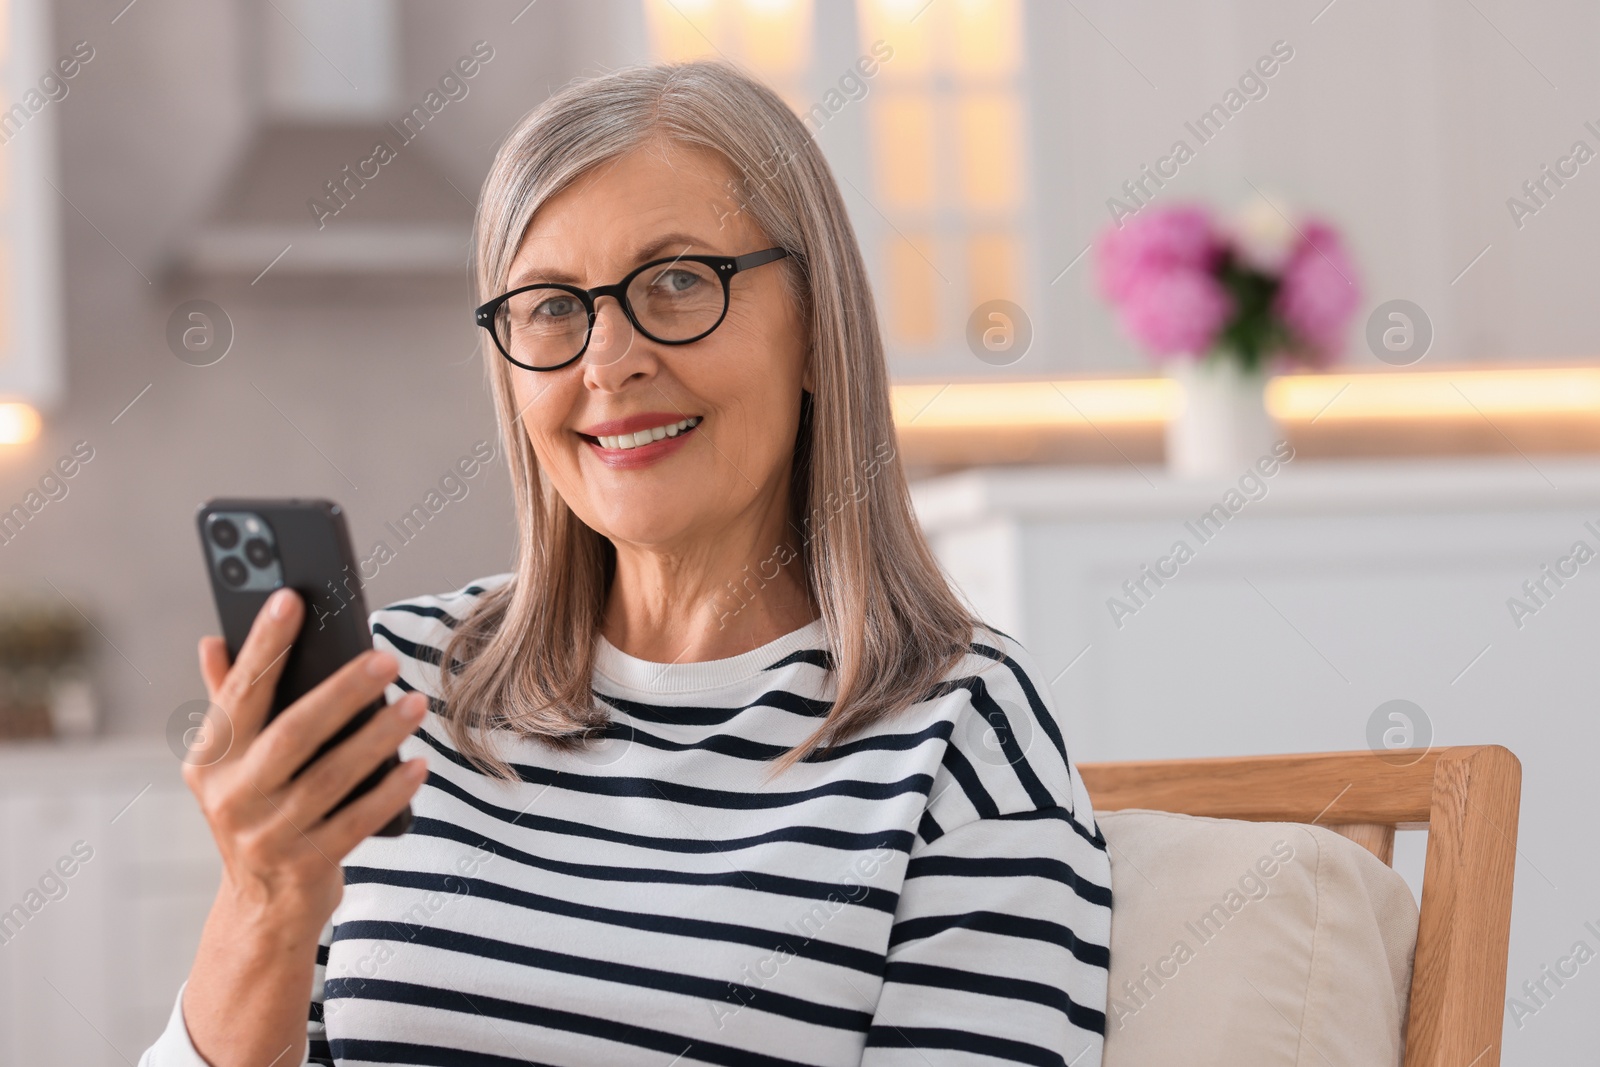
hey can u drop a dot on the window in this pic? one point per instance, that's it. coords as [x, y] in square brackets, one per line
[946, 151]
[769, 38]
[942, 152]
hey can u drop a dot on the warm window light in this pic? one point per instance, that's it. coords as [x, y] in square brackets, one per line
[680, 32]
[1290, 398]
[907, 124]
[1435, 394]
[997, 405]
[776, 35]
[991, 266]
[947, 154]
[19, 424]
[991, 143]
[987, 38]
[912, 38]
[771, 36]
[913, 296]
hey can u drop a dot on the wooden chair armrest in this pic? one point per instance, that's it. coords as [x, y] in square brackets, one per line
[1467, 797]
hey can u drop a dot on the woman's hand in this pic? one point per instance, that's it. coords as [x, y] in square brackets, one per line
[280, 856]
[247, 997]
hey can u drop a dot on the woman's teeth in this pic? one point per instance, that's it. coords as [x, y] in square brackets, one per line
[644, 437]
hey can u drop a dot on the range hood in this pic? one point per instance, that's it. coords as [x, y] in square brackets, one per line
[337, 176]
[318, 197]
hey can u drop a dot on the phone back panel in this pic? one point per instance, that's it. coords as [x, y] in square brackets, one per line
[314, 552]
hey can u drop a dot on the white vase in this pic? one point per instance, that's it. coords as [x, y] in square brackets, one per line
[1221, 426]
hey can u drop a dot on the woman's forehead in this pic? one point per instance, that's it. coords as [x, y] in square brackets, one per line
[635, 208]
[650, 178]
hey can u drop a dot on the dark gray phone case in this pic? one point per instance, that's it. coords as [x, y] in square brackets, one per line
[314, 551]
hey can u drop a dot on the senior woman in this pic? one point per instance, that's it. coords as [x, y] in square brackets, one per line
[723, 772]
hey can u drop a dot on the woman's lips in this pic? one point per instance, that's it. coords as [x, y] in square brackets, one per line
[646, 434]
[630, 424]
[625, 450]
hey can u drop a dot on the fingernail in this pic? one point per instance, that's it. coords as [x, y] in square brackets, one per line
[279, 602]
[411, 710]
[380, 664]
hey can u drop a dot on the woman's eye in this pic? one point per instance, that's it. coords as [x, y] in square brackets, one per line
[677, 281]
[555, 307]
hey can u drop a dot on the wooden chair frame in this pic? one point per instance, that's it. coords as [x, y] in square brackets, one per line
[1467, 797]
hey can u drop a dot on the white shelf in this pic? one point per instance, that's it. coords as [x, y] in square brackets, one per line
[1302, 487]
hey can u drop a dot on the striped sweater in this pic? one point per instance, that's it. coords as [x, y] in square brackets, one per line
[934, 891]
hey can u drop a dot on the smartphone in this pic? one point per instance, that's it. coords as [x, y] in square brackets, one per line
[253, 547]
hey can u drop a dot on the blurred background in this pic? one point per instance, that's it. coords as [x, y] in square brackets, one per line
[1303, 287]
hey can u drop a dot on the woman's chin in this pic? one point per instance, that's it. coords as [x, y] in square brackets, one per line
[649, 518]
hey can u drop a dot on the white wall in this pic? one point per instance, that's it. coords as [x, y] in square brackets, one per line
[1408, 125]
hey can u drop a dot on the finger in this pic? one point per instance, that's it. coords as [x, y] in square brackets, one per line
[296, 734]
[327, 781]
[213, 664]
[213, 739]
[369, 813]
[246, 692]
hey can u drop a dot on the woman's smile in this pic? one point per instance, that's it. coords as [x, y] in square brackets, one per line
[639, 440]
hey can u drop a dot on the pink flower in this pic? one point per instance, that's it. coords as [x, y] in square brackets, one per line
[1319, 292]
[1176, 311]
[1154, 242]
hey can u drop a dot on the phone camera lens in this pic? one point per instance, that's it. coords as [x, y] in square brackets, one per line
[233, 572]
[258, 552]
[224, 533]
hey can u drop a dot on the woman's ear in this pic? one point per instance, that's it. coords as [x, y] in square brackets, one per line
[807, 379]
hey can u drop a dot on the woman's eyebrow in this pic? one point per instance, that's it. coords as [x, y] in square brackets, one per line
[668, 243]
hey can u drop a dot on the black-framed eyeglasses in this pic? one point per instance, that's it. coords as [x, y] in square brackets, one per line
[674, 301]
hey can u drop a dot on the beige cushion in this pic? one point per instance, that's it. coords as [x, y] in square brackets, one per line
[1242, 944]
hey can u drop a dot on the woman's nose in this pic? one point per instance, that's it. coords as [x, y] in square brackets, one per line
[615, 355]
[612, 336]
